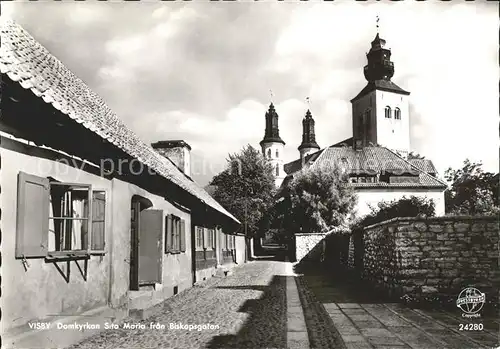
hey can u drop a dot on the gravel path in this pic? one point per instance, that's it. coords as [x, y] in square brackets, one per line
[248, 309]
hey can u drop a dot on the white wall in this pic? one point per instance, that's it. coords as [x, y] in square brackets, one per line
[41, 289]
[400, 138]
[373, 196]
[275, 159]
[240, 249]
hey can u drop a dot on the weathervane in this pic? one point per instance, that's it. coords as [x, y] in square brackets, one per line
[378, 27]
[271, 95]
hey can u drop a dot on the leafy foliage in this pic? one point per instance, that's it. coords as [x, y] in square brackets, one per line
[246, 188]
[412, 206]
[316, 200]
[472, 191]
[414, 155]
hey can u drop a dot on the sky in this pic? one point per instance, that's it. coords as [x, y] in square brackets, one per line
[202, 72]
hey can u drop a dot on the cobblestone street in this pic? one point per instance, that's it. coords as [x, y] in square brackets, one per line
[262, 304]
[249, 307]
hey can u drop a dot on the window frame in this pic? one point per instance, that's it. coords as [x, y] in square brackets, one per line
[199, 239]
[388, 112]
[88, 219]
[397, 114]
[175, 234]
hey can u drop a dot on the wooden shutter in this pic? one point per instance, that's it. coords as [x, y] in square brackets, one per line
[98, 221]
[168, 233]
[183, 235]
[32, 232]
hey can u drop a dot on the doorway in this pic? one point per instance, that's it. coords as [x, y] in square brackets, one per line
[138, 223]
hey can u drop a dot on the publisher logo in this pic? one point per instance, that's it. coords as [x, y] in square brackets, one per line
[471, 301]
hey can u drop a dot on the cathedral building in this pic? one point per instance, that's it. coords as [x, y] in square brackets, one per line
[377, 156]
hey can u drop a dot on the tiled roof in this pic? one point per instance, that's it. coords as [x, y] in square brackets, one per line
[425, 165]
[383, 85]
[373, 161]
[296, 165]
[27, 62]
[345, 142]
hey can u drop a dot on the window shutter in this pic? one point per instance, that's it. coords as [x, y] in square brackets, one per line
[32, 232]
[183, 235]
[98, 221]
[205, 238]
[168, 233]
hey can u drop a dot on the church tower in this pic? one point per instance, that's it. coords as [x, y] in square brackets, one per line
[380, 112]
[308, 144]
[272, 145]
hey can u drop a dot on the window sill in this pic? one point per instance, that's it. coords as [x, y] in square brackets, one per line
[175, 252]
[67, 255]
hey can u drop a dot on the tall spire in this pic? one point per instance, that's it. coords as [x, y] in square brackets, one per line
[379, 59]
[308, 134]
[272, 133]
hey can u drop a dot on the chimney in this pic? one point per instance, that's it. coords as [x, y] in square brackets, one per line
[178, 151]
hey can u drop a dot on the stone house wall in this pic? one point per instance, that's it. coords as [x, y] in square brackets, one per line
[440, 255]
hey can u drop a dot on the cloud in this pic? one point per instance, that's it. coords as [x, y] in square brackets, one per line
[202, 72]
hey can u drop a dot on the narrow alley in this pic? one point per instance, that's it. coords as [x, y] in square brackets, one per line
[263, 305]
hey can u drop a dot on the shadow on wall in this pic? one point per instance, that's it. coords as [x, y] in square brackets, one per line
[266, 326]
[333, 250]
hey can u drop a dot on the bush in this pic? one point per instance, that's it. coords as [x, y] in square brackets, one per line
[405, 207]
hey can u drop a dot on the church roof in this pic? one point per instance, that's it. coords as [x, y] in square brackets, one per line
[425, 165]
[296, 165]
[371, 161]
[381, 85]
[28, 63]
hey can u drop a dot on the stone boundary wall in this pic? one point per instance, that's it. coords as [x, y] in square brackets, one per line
[308, 245]
[431, 256]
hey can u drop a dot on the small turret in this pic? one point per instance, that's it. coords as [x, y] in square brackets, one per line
[308, 144]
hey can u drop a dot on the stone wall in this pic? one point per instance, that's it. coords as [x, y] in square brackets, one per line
[308, 245]
[431, 256]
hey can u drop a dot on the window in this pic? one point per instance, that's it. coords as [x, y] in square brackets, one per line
[212, 239]
[268, 153]
[277, 170]
[277, 153]
[199, 239]
[397, 114]
[72, 223]
[69, 217]
[175, 231]
[387, 112]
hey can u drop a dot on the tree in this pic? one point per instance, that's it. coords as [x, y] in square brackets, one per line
[412, 206]
[246, 188]
[472, 191]
[413, 155]
[317, 200]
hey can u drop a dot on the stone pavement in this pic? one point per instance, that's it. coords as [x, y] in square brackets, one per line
[263, 304]
[364, 320]
[248, 307]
